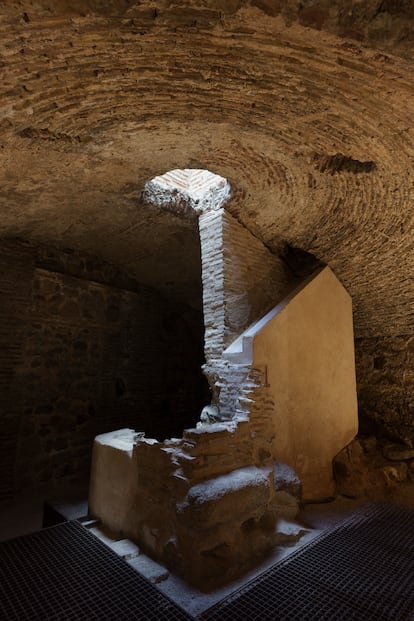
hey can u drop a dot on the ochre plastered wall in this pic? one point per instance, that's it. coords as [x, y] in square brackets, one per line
[306, 356]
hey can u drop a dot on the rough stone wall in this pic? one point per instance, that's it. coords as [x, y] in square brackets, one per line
[80, 356]
[197, 504]
[242, 280]
[80, 372]
[385, 378]
[373, 21]
[254, 278]
[373, 468]
[15, 278]
[376, 22]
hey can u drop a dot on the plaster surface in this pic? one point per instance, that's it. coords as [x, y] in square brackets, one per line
[113, 479]
[308, 353]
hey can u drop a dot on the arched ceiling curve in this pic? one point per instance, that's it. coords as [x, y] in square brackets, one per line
[313, 131]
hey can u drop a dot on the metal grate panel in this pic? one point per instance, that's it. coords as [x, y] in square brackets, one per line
[362, 570]
[65, 573]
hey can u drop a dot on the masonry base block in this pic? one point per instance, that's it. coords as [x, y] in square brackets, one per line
[208, 529]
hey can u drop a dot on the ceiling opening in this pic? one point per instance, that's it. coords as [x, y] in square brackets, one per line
[189, 187]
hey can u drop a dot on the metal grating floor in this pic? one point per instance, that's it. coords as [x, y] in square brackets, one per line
[362, 570]
[64, 573]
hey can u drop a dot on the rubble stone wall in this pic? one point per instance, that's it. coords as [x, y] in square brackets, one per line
[84, 349]
[385, 375]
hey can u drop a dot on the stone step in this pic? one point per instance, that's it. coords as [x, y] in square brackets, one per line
[154, 572]
[288, 532]
[125, 548]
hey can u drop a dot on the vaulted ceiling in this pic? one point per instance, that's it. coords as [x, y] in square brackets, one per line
[305, 107]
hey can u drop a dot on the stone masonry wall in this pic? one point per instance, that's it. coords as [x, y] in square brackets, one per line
[242, 280]
[255, 280]
[385, 379]
[84, 350]
[211, 239]
[15, 278]
[76, 375]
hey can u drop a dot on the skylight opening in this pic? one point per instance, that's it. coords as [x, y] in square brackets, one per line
[193, 187]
